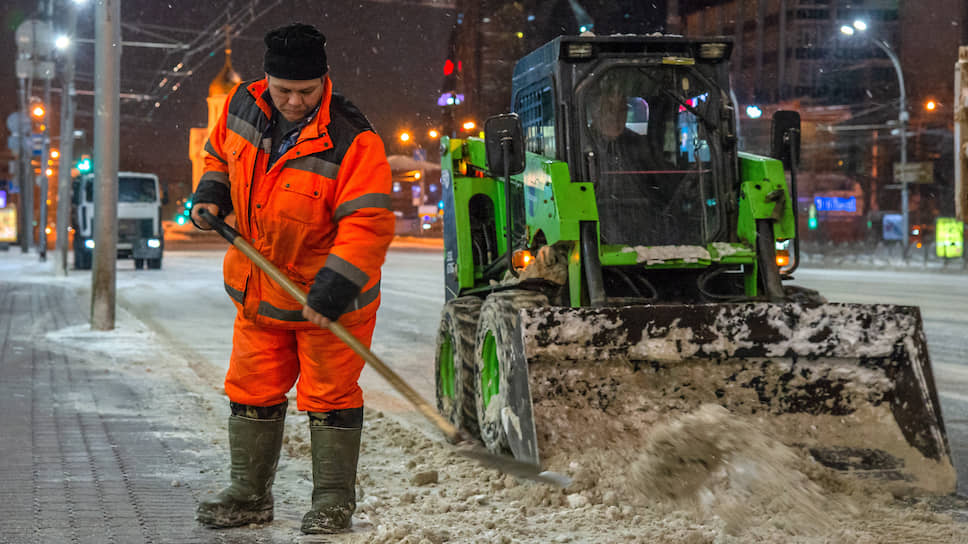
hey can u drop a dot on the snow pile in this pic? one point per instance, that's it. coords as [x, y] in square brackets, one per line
[660, 254]
[725, 249]
[723, 466]
[127, 341]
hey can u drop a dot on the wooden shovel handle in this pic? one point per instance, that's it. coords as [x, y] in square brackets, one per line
[340, 331]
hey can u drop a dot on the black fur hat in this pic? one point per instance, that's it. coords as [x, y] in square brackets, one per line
[296, 51]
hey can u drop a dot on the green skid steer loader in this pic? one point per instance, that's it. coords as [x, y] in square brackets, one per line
[611, 258]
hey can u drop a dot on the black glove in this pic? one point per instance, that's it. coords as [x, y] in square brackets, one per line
[213, 192]
[331, 293]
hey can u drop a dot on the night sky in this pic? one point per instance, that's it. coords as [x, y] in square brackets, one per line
[386, 57]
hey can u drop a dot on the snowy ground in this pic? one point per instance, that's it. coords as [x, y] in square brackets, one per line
[702, 477]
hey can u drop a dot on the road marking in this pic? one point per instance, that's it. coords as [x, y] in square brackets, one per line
[436, 298]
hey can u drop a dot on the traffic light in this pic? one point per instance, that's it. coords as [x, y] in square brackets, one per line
[812, 217]
[84, 165]
[453, 69]
[184, 215]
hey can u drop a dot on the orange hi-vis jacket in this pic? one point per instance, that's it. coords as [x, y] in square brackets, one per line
[324, 204]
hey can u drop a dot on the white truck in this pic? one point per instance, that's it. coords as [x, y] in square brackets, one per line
[140, 232]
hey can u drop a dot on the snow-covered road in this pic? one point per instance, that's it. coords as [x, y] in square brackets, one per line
[184, 304]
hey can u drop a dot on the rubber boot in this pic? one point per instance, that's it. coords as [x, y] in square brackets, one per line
[336, 450]
[255, 439]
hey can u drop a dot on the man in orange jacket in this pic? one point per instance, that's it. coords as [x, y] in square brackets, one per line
[308, 181]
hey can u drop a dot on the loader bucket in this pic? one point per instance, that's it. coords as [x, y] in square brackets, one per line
[849, 384]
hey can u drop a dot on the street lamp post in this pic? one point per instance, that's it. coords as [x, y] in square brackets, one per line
[66, 144]
[902, 119]
[34, 44]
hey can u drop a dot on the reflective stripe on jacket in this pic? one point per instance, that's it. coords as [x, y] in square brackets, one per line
[324, 203]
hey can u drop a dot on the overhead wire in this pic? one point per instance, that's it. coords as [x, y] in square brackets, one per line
[207, 43]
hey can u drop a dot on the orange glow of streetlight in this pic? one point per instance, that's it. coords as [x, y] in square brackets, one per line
[930, 105]
[433, 133]
[48, 172]
[38, 111]
[404, 136]
[469, 125]
[54, 153]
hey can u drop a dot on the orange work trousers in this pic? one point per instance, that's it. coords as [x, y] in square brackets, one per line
[267, 361]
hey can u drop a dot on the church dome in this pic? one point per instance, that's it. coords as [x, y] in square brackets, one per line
[226, 78]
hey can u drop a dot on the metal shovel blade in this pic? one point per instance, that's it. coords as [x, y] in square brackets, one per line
[512, 466]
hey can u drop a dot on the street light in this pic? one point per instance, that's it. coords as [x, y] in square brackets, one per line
[902, 118]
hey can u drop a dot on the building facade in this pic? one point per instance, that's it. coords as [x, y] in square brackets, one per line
[218, 90]
[793, 54]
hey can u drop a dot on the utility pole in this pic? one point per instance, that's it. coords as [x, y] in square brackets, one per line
[43, 178]
[26, 181]
[961, 130]
[961, 122]
[107, 108]
[902, 120]
[66, 147]
[34, 41]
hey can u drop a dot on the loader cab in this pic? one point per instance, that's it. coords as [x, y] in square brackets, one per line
[650, 154]
[646, 120]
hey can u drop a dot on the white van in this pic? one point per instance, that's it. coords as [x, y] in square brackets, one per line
[140, 232]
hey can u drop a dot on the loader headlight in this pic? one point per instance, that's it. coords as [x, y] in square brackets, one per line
[89, 244]
[712, 51]
[521, 259]
[154, 243]
[782, 258]
[579, 51]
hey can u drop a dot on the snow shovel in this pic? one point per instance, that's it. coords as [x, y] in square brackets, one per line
[465, 445]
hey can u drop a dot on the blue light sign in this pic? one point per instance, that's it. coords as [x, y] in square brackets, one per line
[835, 204]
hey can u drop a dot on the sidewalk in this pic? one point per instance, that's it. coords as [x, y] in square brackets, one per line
[96, 447]
[113, 437]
